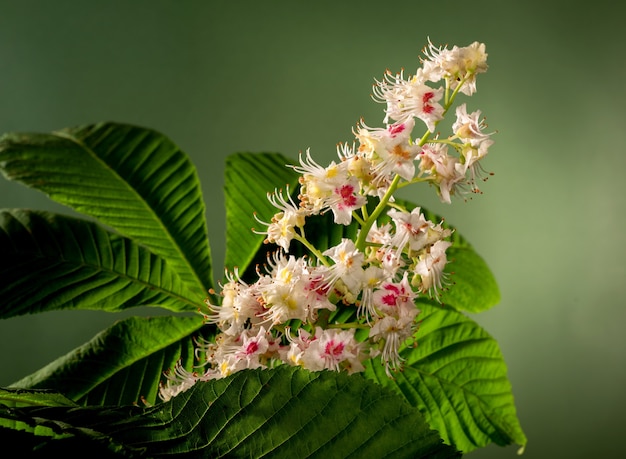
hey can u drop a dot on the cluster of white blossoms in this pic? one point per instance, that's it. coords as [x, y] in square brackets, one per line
[337, 308]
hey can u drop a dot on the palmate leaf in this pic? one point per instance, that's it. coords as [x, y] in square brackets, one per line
[285, 412]
[457, 377]
[123, 364]
[132, 179]
[52, 262]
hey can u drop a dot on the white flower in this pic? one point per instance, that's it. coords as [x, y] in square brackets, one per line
[317, 182]
[333, 349]
[409, 98]
[286, 270]
[360, 166]
[253, 347]
[412, 229]
[284, 302]
[393, 331]
[177, 382]
[345, 199]
[469, 127]
[390, 260]
[387, 255]
[389, 150]
[457, 64]
[239, 306]
[396, 299]
[317, 291]
[294, 352]
[447, 172]
[282, 229]
[292, 288]
[395, 322]
[329, 187]
[373, 277]
[348, 266]
[379, 235]
[430, 268]
[472, 156]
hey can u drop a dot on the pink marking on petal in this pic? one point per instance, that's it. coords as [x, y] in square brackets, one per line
[252, 347]
[333, 349]
[389, 300]
[427, 108]
[396, 129]
[394, 288]
[346, 192]
[427, 96]
[319, 286]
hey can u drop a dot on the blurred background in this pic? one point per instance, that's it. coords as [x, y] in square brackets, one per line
[219, 77]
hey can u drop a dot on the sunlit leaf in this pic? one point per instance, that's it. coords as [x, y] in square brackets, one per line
[457, 377]
[52, 262]
[132, 179]
[472, 286]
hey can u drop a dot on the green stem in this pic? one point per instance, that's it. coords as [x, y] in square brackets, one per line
[359, 220]
[454, 94]
[367, 225]
[364, 212]
[415, 180]
[446, 97]
[424, 138]
[319, 255]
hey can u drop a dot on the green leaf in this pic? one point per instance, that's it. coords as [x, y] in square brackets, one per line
[32, 397]
[76, 264]
[457, 377]
[285, 412]
[132, 179]
[473, 287]
[249, 177]
[123, 364]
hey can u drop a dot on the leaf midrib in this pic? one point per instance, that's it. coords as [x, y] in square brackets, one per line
[60, 260]
[145, 205]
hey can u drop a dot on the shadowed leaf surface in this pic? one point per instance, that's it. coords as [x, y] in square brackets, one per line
[122, 364]
[258, 413]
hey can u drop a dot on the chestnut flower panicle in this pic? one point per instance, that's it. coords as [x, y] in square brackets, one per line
[337, 308]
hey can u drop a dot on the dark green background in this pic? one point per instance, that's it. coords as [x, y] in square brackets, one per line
[219, 77]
